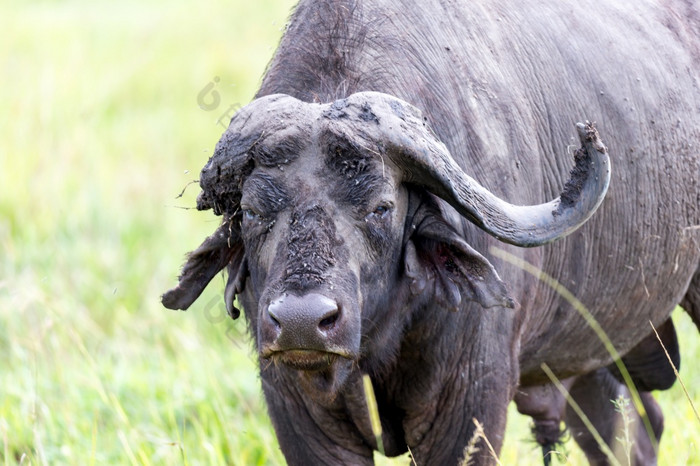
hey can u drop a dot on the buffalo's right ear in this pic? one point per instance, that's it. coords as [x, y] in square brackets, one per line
[215, 253]
[439, 262]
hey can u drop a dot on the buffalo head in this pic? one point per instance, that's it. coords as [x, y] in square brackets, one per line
[330, 220]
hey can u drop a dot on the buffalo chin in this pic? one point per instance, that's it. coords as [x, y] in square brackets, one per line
[321, 374]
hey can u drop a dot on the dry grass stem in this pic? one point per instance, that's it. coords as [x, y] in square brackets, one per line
[626, 441]
[471, 449]
[410, 454]
[675, 371]
[480, 429]
[579, 412]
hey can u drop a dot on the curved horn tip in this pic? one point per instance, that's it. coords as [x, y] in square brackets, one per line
[588, 133]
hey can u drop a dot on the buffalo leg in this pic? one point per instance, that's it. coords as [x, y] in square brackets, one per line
[647, 363]
[546, 405]
[595, 393]
[691, 300]
[475, 394]
[448, 441]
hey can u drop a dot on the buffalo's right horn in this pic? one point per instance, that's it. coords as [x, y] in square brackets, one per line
[426, 161]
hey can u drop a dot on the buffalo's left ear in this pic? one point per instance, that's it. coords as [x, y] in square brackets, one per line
[237, 273]
[215, 253]
[439, 260]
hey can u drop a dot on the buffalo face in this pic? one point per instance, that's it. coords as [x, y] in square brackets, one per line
[321, 228]
[331, 232]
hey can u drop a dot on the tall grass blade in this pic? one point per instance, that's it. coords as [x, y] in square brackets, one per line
[592, 323]
[127, 448]
[675, 371]
[373, 410]
[577, 409]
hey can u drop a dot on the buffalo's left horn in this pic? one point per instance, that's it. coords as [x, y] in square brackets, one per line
[426, 161]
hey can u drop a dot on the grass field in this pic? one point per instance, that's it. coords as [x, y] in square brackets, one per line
[108, 111]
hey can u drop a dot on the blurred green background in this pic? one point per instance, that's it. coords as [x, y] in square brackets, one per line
[108, 110]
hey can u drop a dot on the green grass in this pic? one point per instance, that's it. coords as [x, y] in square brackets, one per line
[101, 130]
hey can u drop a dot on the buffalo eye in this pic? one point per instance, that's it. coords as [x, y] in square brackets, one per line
[255, 222]
[250, 215]
[380, 212]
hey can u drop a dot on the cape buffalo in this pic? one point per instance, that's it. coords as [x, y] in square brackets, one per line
[357, 240]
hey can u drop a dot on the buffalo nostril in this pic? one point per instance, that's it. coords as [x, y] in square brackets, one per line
[274, 320]
[272, 312]
[329, 320]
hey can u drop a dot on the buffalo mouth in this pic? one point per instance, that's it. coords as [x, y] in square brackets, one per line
[305, 360]
[320, 374]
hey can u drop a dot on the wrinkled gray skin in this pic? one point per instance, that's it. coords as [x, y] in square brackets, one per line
[347, 259]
